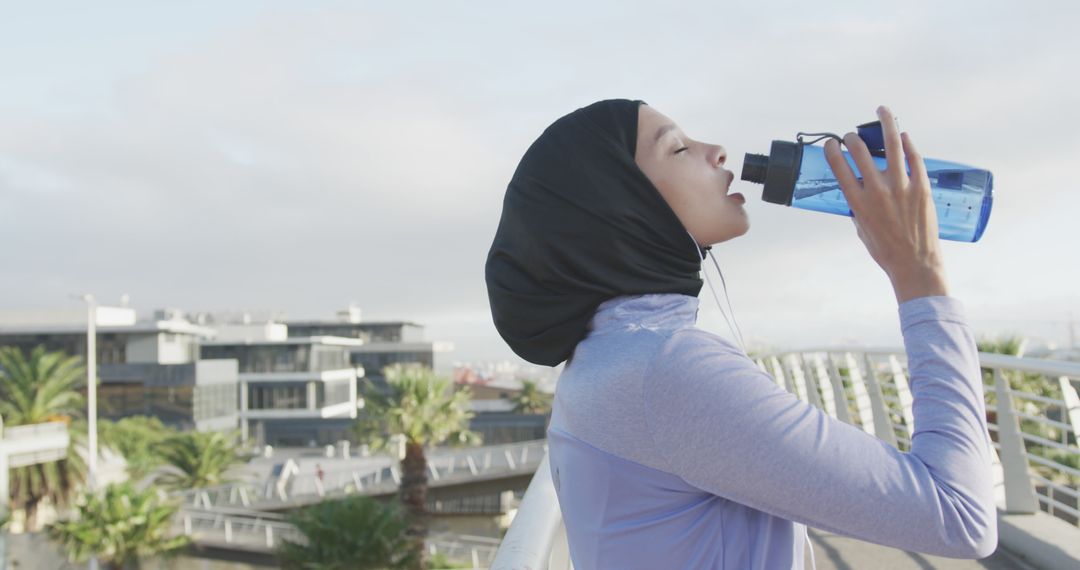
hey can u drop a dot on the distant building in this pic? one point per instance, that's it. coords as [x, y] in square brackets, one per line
[146, 367]
[384, 342]
[493, 403]
[282, 383]
[293, 391]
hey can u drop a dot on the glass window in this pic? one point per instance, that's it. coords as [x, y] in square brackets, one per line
[215, 401]
[331, 393]
[171, 404]
[278, 396]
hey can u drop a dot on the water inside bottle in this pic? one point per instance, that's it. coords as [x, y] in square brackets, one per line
[959, 192]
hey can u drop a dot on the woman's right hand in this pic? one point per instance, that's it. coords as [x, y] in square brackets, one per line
[894, 215]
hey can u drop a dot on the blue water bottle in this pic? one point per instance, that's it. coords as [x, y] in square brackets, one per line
[797, 174]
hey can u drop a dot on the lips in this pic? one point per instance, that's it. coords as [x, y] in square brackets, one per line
[731, 178]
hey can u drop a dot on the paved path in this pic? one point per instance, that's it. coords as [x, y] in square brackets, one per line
[836, 552]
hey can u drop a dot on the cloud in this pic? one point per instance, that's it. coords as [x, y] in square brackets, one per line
[299, 158]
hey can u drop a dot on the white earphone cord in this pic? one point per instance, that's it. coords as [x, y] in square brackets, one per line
[738, 334]
[736, 331]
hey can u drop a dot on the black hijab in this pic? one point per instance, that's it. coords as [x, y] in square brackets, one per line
[581, 223]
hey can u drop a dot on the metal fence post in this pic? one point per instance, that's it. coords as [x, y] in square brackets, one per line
[1072, 406]
[883, 427]
[812, 394]
[862, 399]
[903, 393]
[839, 394]
[1019, 491]
[824, 383]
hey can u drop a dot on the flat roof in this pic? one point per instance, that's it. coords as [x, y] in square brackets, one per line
[180, 327]
[324, 340]
[406, 346]
[310, 323]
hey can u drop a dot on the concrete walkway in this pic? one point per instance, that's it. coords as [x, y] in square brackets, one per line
[836, 552]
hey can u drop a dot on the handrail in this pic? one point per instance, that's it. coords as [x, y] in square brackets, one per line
[536, 538]
[533, 537]
[447, 467]
[986, 359]
[32, 430]
[258, 531]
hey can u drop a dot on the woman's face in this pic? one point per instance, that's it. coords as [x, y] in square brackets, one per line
[690, 175]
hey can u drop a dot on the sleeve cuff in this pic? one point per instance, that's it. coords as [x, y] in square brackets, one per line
[931, 308]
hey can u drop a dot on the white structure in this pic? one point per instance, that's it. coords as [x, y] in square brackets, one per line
[29, 445]
[292, 389]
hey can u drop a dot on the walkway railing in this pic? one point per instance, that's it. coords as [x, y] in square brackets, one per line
[29, 444]
[445, 467]
[1034, 435]
[255, 531]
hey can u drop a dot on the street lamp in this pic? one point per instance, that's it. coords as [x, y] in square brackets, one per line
[91, 389]
[91, 398]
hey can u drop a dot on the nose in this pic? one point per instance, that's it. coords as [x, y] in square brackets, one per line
[718, 154]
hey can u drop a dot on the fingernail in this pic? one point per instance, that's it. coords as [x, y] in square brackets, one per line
[881, 109]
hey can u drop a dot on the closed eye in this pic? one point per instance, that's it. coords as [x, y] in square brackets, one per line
[681, 149]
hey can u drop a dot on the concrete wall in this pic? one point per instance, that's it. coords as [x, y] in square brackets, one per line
[142, 348]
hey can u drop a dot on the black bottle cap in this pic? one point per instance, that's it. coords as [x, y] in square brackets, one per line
[778, 172]
[754, 167]
[871, 133]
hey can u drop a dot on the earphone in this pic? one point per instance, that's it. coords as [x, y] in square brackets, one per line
[736, 331]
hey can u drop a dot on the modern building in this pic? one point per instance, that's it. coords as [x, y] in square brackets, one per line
[384, 342]
[293, 391]
[280, 383]
[146, 367]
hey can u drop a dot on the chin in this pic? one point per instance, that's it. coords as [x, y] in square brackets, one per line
[739, 232]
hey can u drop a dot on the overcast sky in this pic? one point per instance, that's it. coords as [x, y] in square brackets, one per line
[294, 157]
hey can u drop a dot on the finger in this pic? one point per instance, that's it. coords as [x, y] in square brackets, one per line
[894, 152]
[858, 229]
[914, 159]
[849, 185]
[863, 160]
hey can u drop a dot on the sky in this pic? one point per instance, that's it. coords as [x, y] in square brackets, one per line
[295, 157]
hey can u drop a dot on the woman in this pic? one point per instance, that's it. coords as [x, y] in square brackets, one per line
[668, 446]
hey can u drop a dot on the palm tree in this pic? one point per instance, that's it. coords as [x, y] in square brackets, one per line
[43, 388]
[119, 526]
[424, 408]
[357, 532]
[197, 459]
[531, 400]
[137, 439]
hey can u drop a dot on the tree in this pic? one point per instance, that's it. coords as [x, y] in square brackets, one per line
[531, 400]
[197, 459]
[119, 526]
[43, 388]
[353, 533]
[137, 439]
[427, 411]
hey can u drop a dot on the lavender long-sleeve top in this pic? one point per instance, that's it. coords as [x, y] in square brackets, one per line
[671, 449]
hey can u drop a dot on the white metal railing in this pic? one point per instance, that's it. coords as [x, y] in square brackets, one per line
[869, 388]
[445, 467]
[34, 443]
[256, 531]
[29, 444]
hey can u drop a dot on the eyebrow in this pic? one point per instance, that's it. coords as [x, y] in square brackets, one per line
[663, 131]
